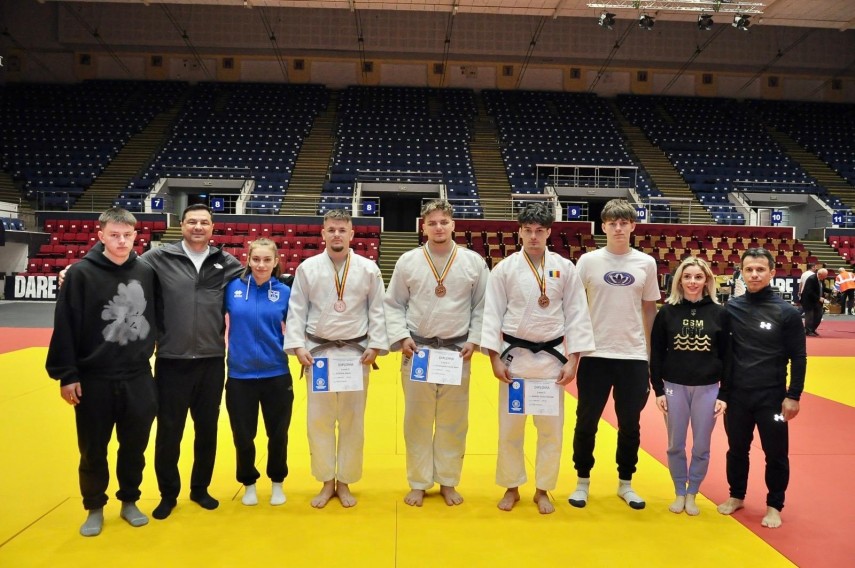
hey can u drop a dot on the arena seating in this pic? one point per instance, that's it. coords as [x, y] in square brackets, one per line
[719, 146]
[721, 247]
[12, 224]
[844, 245]
[237, 131]
[72, 239]
[59, 138]
[405, 135]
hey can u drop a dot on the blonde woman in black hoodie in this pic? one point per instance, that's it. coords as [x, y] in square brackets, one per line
[690, 346]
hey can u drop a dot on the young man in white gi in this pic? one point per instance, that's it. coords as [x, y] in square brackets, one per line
[622, 293]
[536, 324]
[435, 301]
[336, 310]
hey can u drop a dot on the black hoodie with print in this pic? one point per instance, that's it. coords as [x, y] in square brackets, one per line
[104, 325]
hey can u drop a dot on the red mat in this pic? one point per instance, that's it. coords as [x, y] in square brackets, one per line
[14, 338]
[820, 510]
[835, 340]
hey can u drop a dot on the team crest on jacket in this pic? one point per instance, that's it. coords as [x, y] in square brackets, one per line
[615, 278]
[273, 295]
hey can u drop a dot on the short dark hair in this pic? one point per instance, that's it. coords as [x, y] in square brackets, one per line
[616, 209]
[539, 213]
[758, 252]
[437, 205]
[196, 207]
[338, 215]
[117, 215]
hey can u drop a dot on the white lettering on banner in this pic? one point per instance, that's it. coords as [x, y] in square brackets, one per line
[784, 285]
[35, 288]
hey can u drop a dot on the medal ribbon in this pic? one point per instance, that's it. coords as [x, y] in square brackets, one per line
[340, 282]
[440, 278]
[541, 280]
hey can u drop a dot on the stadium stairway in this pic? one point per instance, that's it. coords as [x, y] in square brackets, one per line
[129, 162]
[833, 182]
[818, 247]
[310, 169]
[392, 246]
[492, 178]
[172, 234]
[662, 172]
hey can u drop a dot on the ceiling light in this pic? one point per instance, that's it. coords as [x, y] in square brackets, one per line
[740, 22]
[705, 22]
[607, 20]
[645, 22]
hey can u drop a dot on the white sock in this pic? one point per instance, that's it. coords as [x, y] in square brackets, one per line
[249, 495]
[579, 498]
[626, 493]
[278, 495]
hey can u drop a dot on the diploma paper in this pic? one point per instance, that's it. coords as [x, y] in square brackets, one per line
[438, 366]
[533, 397]
[336, 374]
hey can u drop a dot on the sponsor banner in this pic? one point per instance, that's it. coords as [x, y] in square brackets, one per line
[32, 287]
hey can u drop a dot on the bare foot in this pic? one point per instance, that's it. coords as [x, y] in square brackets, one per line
[730, 506]
[510, 499]
[544, 505]
[451, 496]
[691, 506]
[344, 495]
[772, 520]
[323, 497]
[679, 504]
[415, 497]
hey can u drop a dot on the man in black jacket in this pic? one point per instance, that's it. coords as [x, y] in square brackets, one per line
[767, 335]
[812, 302]
[189, 366]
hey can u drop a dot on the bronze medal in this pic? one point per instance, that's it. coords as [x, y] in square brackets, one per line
[339, 304]
[440, 289]
[543, 300]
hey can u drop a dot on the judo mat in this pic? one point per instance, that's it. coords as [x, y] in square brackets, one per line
[42, 510]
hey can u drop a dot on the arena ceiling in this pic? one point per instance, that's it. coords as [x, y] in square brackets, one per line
[830, 14]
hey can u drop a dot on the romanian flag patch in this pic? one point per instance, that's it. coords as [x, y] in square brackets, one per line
[554, 273]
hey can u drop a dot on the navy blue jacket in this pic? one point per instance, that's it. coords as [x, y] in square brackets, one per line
[256, 314]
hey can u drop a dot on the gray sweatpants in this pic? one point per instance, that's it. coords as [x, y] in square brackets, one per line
[696, 405]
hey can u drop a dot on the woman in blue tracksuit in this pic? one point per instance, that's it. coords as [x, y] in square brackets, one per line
[257, 303]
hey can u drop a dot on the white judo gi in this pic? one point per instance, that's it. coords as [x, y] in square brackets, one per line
[436, 417]
[511, 307]
[310, 311]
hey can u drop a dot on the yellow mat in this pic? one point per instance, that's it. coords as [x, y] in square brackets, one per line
[41, 509]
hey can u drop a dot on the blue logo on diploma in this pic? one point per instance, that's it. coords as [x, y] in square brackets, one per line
[516, 397]
[320, 375]
[420, 366]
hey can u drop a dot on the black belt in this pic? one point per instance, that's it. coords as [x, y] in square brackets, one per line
[545, 346]
[327, 343]
[438, 342]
